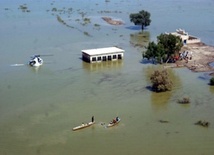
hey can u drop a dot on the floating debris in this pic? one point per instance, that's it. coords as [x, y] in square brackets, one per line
[203, 123]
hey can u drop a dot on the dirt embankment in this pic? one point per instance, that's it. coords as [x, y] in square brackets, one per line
[202, 56]
[112, 21]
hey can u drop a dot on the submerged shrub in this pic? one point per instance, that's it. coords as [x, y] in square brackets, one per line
[212, 81]
[160, 81]
[185, 100]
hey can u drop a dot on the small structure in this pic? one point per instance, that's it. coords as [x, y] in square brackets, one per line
[35, 61]
[186, 38]
[102, 54]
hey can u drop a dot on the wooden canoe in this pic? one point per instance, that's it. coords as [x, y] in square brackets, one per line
[113, 124]
[84, 125]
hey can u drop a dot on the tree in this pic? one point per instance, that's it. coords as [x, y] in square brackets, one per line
[170, 43]
[160, 81]
[167, 46]
[154, 52]
[142, 18]
[212, 81]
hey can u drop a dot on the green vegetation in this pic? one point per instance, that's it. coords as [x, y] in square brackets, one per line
[140, 39]
[87, 34]
[142, 18]
[212, 81]
[24, 8]
[97, 25]
[185, 100]
[60, 20]
[160, 81]
[86, 21]
[54, 10]
[166, 48]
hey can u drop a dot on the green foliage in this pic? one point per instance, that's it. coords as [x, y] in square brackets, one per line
[160, 81]
[167, 46]
[154, 52]
[142, 18]
[171, 43]
[212, 81]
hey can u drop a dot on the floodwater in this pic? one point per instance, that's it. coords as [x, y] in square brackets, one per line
[40, 106]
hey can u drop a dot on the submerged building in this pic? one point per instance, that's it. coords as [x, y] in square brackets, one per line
[102, 54]
[186, 38]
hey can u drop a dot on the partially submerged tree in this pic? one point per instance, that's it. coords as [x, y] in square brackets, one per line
[154, 52]
[167, 46]
[142, 18]
[160, 81]
[171, 44]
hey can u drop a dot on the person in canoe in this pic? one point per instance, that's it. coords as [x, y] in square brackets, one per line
[85, 125]
[114, 122]
[92, 119]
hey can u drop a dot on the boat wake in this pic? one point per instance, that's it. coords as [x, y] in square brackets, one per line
[17, 65]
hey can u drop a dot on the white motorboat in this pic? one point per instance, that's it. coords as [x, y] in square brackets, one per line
[36, 61]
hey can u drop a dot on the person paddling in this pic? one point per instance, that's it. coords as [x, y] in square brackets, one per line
[92, 119]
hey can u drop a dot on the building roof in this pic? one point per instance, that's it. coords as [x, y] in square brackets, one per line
[100, 51]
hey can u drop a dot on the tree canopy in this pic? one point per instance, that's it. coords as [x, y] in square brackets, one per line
[167, 46]
[142, 18]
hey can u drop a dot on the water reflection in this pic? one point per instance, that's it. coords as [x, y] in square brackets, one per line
[102, 65]
[161, 100]
[212, 89]
[35, 69]
[140, 39]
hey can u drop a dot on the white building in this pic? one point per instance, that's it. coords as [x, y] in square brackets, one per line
[186, 38]
[102, 54]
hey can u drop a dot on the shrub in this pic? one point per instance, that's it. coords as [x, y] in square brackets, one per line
[212, 81]
[160, 81]
[185, 100]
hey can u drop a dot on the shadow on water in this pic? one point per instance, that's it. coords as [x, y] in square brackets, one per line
[136, 27]
[205, 76]
[146, 61]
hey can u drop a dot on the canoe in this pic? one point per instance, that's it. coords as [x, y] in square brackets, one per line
[84, 125]
[113, 124]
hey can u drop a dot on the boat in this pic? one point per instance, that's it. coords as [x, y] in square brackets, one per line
[114, 122]
[84, 125]
[35, 61]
